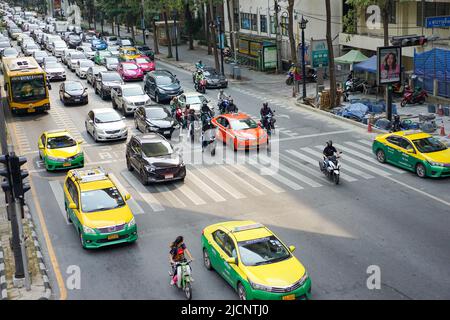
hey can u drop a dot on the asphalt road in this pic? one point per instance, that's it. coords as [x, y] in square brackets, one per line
[379, 215]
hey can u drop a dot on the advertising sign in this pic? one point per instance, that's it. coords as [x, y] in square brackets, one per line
[389, 65]
[437, 22]
[270, 57]
[319, 53]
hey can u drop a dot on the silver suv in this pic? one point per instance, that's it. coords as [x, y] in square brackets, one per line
[127, 97]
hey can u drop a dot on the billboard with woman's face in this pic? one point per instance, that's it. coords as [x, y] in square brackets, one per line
[389, 65]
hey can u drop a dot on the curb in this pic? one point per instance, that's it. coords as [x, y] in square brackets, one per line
[40, 257]
[331, 115]
[3, 284]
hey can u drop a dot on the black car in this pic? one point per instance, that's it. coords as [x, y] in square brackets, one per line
[146, 51]
[155, 119]
[162, 85]
[214, 79]
[106, 80]
[73, 92]
[154, 159]
[125, 42]
[73, 41]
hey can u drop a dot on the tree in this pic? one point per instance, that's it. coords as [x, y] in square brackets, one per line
[291, 31]
[169, 38]
[230, 25]
[331, 56]
[212, 25]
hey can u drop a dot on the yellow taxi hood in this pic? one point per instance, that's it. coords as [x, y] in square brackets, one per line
[279, 274]
[64, 152]
[107, 218]
[439, 156]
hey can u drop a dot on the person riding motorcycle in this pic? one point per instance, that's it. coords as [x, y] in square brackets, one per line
[221, 96]
[177, 254]
[328, 152]
[174, 104]
[199, 65]
[199, 76]
[396, 125]
[264, 112]
[205, 112]
[231, 108]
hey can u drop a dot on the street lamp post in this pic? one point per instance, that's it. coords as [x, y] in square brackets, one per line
[143, 21]
[221, 44]
[175, 12]
[303, 23]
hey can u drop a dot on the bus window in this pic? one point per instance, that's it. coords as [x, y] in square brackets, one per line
[25, 90]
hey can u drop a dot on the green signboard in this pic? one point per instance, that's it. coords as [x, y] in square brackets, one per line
[270, 57]
[319, 53]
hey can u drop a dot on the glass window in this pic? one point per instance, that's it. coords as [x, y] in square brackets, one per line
[254, 19]
[195, 99]
[245, 21]
[113, 76]
[74, 85]
[156, 113]
[156, 149]
[431, 10]
[28, 88]
[106, 117]
[244, 124]
[101, 200]
[427, 145]
[60, 142]
[273, 29]
[86, 64]
[164, 80]
[262, 251]
[284, 26]
[132, 91]
[129, 66]
[403, 143]
[263, 23]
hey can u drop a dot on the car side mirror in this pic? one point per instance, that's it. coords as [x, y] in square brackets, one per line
[291, 248]
[72, 205]
[410, 151]
[231, 260]
[123, 118]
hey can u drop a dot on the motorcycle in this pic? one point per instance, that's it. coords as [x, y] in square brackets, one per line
[183, 278]
[223, 105]
[268, 123]
[208, 134]
[195, 130]
[412, 97]
[332, 169]
[200, 86]
[353, 85]
[290, 78]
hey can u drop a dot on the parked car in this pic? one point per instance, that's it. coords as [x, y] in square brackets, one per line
[82, 67]
[156, 119]
[145, 63]
[55, 71]
[127, 97]
[92, 72]
[130, 71]
[154, 159]
[99, 57]
[98, 44]
[73, 92]
[162, 85]
[72, 59]
[111, 63]
[73, 40]
[146, 51]
[105, 81]
[106, 124]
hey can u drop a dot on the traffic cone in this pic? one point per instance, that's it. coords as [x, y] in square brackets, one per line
[442, 130]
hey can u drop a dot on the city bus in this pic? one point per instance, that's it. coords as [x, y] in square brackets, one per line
[25, 85]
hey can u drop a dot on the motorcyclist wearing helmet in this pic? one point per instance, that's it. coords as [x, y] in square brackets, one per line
[328, 152]
[231, 108]
[199, 64]
[264, 112]
[177, 253]
[221, 96]
[199, 76]
[396, 125]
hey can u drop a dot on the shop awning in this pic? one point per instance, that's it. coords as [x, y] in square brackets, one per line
[370, 65]
[351, 57]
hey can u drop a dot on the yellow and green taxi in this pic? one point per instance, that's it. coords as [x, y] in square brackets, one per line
[128, 53]
[254, 261]
[97, 209]
[416, 151]
[59, 150]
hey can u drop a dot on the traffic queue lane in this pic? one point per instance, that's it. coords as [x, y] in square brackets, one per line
[336, 239]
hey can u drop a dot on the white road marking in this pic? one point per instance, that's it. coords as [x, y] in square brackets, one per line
[366, 142]
[242, 182]
[203, 186]
[221, 183]
[303, 167]
[266, 183]
[58, 192]
[275, 175]
[188, 192]
[134, 206]
[170, 196]
[143, 192]
[360, 147]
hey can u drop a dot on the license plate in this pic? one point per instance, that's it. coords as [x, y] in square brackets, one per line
[77, 100]
[168, 176]
[113, 237]
[166, 132]
[67, 164]
[289, 297]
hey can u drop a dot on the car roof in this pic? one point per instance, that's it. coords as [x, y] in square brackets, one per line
[412, 134]
[130, 85]
[57, 133]
[158, 73]
[192, 94]
[103, 110]
[236, 116]
[245, 230]
[149, 137]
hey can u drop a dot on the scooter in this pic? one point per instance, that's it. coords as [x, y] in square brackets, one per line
[333, 168]
[200, 86]
[412, 97]
[208, 135]
[268, 123]
[183, 278]
[195, 129]
[223, 106]
[353, 85]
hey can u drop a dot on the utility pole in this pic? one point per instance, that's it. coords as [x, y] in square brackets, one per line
[278, 38]
[175, 13]
[143, 21]
[221, 44]
[303, 23]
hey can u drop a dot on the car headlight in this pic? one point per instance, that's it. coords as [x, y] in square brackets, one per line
[152, 128]
[161, 90]
[88, 230]
[66, 95]
[79, 154]
[258, 286]
[148, 102]
[150, 168]
[132, 223]
[436, 164]
[85, 94]
[56, 159]
[304, 278]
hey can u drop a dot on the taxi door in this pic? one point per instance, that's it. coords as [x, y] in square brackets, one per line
[408, 155]
[71, 196]
[392, 149]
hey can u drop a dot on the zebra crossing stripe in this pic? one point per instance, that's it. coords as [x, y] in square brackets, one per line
[368, 143]
[315, 162]
[221, 183]
[143, 192]
[275, 175]
[203, 186]
[170, 196]
[134, 206]
[182, 186]
[264, 182]
[242, 182]
[361, 164]
[357, 146]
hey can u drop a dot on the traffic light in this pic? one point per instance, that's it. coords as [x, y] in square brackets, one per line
[4, 172]
[17, 176]
[409, 41]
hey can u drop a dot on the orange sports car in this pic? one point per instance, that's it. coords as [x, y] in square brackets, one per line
[240, 130]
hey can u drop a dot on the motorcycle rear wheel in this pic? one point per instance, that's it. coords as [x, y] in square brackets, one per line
[336, 179]
[289, 81]
[188, 291]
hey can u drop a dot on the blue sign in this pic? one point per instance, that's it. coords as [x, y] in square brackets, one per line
[438, 22]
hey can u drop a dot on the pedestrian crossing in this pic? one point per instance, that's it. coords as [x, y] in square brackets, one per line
[261, 175]
[63, 121]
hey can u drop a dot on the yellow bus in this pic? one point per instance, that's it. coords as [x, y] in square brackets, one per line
[26, 85]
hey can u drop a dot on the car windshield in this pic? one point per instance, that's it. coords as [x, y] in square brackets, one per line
[244, 124]
[86, 64]
[87, 49]
[60, 142]
[195, 99]
[156, 113]
[5, 44]
[156, 149]
[144, 48]
[60, 45]
[105, 117]
[96, 70]
[112, 39]
[49, 59]
[8, 52]
[142, 60]
[74, 37]
[113, 76]
[262, 251]
[126, 42]
[209, 72]
[53, 65]
[32, 46]
[71, 86]
[164, 80]
[129, 66]
[77, 55]
[427, 145]
[133, 91]
[101, 200]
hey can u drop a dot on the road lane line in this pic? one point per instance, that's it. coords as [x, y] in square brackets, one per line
[203, 186]
[315, 135]
[360, 147]
[250, 187]
[221, 183]
[58, 192]
[368, 158]
[145, 194]
[303, 167]
[315, 162]
[134, 206]
[189, 193]
[170, 196]
[262, 181]
[368, 143]
[275, 175]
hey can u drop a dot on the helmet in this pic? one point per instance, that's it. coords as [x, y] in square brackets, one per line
[396, 117]
[221, 90]
[199, 61]
[329, 143]
[199, 71]
[230, 100]
[265, 105]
